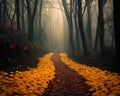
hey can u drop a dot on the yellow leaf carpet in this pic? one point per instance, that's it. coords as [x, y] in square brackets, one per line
[35, 81]
[66, 81]
[32, 82]
[102, 82]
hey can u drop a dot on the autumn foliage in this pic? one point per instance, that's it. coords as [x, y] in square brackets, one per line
[13, 39]
[13, 44]
[102, 82]
[32, 82]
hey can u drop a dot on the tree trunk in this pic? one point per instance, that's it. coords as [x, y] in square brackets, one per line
[30, 30]
[17, 9]
[116, 4]
[23, 16]
[80, 19]
[96, 37]
[69, 20]
[101, 24]
[4, 11]
[1, 9]
[40, 23]
[76, 27]
[31, 16]
[89, 30]
[71, 26]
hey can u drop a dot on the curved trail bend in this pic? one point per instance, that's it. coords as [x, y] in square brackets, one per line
[66, 82]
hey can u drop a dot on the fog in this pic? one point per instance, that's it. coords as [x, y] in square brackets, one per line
[56, 30]
[53, 25]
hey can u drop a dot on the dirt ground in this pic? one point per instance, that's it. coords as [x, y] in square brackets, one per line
[107, 61]
[66, 82]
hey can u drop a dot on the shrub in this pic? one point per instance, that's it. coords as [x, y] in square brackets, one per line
[13, 45]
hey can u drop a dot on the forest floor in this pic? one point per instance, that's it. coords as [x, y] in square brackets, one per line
[58, 75]
[108, 61]
[67, 82]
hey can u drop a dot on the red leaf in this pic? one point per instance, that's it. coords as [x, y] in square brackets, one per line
[26, 48]
[11, 25]
[12, 46]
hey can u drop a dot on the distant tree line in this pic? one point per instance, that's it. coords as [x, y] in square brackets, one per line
[21, 11]
[28, 17]
[75, 12]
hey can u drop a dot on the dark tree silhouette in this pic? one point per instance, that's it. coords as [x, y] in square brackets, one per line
[1, 10]
[31, 15]
[116, 4]
[76, 25]
[101, 25]
[96, 37]
[40, 18]
[82, 32]
[89, 30]
[23, 16]
[17, 9]
[100, 31]
[70, 22]
[4, 8]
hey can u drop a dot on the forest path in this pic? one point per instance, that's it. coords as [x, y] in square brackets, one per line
[66, 82]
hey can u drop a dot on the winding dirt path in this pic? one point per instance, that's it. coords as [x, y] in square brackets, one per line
[66, 82]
